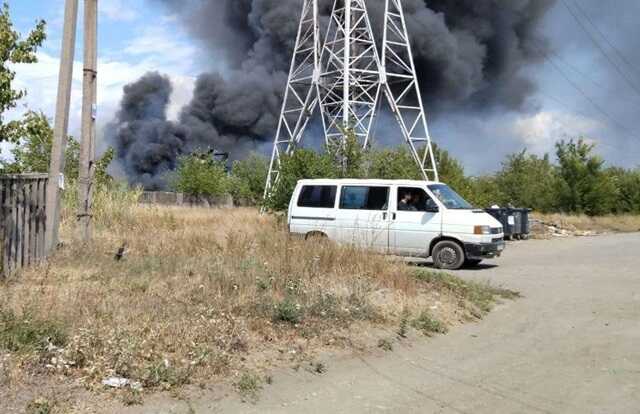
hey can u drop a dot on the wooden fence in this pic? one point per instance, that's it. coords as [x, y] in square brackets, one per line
[23, 220]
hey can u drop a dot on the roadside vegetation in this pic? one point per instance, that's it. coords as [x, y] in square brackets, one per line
[202, 293]
[587, 225]
[576, 181]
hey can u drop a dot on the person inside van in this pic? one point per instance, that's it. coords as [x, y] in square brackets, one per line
[406, 202]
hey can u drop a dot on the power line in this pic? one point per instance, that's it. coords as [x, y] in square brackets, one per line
[588, 98]
[600, 142]
[602, 34]
[602, 49]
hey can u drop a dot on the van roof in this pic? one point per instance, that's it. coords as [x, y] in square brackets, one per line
[337, 181]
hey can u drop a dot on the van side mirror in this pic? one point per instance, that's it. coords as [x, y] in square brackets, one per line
[431, 206]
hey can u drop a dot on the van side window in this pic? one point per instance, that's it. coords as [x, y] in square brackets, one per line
[414, 199]
[318, 196]
[364, 198]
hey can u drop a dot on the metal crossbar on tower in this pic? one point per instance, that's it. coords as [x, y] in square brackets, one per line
[349, 84]
[345, 77]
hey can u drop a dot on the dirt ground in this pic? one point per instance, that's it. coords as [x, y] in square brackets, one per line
[570, 345]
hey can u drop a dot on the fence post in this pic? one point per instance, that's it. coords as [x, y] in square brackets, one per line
[6, 225]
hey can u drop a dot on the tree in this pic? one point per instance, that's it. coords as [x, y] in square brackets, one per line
[584, 187]
[528, 181]
[248, 178]
[484, 191]
[32, 152]
[348, 155]
[200, 175]
[14, 50]
[303, 163]
[451, 172]
[627, 183]
[390, 164]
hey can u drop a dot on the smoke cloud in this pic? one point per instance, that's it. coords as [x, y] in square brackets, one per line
[469, 53]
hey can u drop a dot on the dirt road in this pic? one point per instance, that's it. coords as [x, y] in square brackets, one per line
[570, 345]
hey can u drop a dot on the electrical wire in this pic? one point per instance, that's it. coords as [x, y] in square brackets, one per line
[581, 91]
[602, 49]
[622, 57]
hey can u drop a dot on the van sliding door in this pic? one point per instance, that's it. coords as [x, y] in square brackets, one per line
[363, 215]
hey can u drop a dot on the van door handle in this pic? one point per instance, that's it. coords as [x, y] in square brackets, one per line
[384, 216]
[393, 216]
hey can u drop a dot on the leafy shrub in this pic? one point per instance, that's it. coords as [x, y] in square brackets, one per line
[426, 324]
[287, 311]
[248, 179]
[28, 334]
[200, 175]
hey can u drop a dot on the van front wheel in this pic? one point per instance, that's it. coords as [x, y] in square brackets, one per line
[448, 255]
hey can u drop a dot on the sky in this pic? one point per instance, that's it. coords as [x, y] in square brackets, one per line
[589, 85]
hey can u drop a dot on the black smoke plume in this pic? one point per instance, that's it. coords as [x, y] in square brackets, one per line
[468, 53]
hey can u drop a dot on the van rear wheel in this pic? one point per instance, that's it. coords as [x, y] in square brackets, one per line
[448, 255]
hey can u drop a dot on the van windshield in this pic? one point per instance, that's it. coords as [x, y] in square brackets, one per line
[450, 198]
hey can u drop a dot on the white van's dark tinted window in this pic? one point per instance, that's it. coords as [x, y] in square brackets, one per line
[364, 198]
[318, 196]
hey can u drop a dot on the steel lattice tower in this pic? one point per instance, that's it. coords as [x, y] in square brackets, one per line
[345, 76]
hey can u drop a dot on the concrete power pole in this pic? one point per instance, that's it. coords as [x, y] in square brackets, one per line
[61, 124]
[87, 146]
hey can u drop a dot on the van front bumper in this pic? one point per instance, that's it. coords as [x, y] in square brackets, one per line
[484, 250]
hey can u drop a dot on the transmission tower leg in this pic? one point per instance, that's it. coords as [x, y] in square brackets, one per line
[403, 91]
[300, 95]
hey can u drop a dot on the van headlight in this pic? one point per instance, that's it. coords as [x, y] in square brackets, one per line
[484, 230]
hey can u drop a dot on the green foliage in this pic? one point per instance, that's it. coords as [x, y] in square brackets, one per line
[287, 311]
[426, 324]
[248, 178]
[577, 183]
[451, 172]
[303, 163]
[101, 176]
[28, 334]
[249, 386]
[348, 155]
[39, 406]
[390, 164]
[527, 180]
[14, 49]
[32, 152]
[484, 191]
[200, 175]
[584, 187]
[628, 188]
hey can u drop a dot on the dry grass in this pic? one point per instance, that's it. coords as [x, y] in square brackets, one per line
[602, 224]
[204, 293]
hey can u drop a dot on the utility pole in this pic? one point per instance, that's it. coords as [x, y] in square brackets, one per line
[87, 146]
[61, 124]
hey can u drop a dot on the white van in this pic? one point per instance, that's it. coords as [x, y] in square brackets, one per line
[399, 217]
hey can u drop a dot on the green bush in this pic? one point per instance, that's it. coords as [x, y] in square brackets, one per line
[287, 311]
[248, 179]
[200, 175]
[32, 152]
[584, 186]
[529, 181]
[303, 163]
[577, 183]
[28, 334]
[426, 324]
